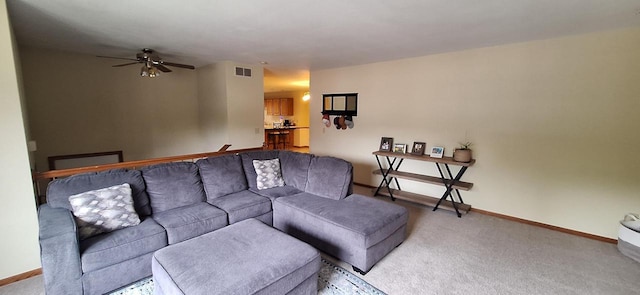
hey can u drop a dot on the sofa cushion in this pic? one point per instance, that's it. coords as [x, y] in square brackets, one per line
[104, 210]
[329, 177]
[59, 190]
[268, 173]
[242, 205]
[173, 185]
[247, 164]
[277, 192]
[295, 168]
[222, 175]
[189, 221]
[110, 248]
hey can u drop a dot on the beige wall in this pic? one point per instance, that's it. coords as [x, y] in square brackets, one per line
[19, 250]
[554, 124]
[212, 110]
[230, 108]
[245, 105]
[80, 104]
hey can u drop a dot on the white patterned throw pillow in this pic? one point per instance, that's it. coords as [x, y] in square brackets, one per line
[269, 174]
[104, 210]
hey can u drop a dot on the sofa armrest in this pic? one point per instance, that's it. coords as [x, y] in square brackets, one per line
[59, 251]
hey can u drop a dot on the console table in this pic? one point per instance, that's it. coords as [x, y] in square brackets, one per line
[450, 182]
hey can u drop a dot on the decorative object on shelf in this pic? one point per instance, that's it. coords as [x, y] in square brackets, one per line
[326, 121]
[437, 152]
[418, 148]
[385, 144]
[463, 153]
[400, 148]
[349, 121]
[340, 104]
[343, 124]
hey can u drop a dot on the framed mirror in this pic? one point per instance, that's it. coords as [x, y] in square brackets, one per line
[340, 104]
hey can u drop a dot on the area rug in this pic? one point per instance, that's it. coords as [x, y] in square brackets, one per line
[332, 280]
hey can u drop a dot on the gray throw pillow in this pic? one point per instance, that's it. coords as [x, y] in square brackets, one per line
[268, 173]
[104, 210]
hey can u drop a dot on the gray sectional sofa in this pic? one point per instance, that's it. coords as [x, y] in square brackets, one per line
[179, 201]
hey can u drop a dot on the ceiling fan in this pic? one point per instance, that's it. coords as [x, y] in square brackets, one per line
[151, 63]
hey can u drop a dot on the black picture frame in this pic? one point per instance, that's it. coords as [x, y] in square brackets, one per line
[418, 148]
[386, 144]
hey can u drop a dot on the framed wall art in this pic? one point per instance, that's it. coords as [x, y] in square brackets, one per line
[400, 148]
[418, 148]
[437, 152]
[386, 143]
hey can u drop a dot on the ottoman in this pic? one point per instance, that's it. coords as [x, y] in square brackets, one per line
[247, 257]
[358, 230]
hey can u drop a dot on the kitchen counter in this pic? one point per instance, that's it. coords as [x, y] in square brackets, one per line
[285, 128]
[298, 137]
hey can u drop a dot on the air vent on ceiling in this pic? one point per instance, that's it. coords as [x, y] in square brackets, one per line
[243, 72]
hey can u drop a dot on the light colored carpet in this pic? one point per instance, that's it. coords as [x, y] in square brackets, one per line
[479, 254]
[332, 280]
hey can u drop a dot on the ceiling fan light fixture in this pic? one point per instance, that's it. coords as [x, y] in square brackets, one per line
[152, 64]
[153, 72]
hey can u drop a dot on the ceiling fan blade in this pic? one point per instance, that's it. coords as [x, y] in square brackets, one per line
[116, 57]
[162, 68]
[166, 63]
[127, 64]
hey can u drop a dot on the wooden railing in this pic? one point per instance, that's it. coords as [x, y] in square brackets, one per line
[40, 179]
[52, 174]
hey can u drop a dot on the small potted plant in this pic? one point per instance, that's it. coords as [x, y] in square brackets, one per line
[463, 153]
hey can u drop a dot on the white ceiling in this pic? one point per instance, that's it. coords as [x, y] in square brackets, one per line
[295, 36]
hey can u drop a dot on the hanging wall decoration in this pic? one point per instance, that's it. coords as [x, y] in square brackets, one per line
[342, 105]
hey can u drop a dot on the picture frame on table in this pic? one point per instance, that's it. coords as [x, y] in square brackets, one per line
[437, 152]
[400, 148]
[418, 148]
[386, 143]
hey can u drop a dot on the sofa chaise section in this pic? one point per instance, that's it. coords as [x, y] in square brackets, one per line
[358, 230]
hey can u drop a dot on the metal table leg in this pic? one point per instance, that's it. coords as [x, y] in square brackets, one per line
[448, 183]
[385, 173]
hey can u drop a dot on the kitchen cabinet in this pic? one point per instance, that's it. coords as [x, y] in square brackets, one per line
[272, 106]
[286, 106]
[279, 106]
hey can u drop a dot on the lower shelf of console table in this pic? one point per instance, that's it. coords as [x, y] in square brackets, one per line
[425, 200]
